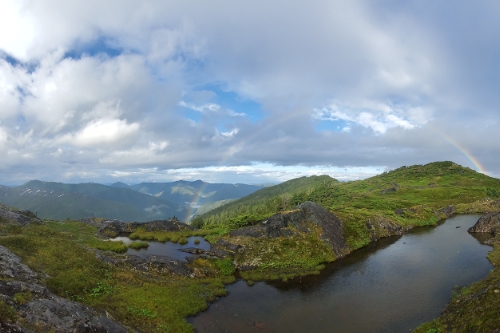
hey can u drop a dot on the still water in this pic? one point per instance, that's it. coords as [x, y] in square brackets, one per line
[166, 249]
[393, 285]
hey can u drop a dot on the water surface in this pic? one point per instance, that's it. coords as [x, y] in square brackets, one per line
[166, 249]
[393, 285]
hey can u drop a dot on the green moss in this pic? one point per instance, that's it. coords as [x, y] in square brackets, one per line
[302, 251]
[7, 313]
[138, 245]
[22, 298]
[168, 236]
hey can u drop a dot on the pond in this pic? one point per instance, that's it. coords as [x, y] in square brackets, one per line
[166, 249]
[394, 285]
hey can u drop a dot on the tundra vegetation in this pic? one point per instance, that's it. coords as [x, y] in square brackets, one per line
[393, 202]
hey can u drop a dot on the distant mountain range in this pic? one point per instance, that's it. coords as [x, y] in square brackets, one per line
[197, 192]
[141, 202]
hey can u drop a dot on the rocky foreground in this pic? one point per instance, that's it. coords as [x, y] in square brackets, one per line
[40, 309]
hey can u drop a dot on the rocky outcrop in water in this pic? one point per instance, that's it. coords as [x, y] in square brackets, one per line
[488, 223]
[298, 221]
[113, 228]
[26, 303]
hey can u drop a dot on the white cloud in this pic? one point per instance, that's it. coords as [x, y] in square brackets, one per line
[377, 116]
[104, 86]
[105, 131]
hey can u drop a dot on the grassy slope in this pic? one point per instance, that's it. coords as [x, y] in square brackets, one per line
[417, 191]
[264, 202]
[213, 205]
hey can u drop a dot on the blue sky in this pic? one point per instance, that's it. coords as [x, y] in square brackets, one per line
[249, 91]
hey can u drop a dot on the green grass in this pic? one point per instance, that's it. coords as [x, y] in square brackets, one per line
[147, 302]
[138, 245]
[167, 236]
[283, 255]
[7, 313]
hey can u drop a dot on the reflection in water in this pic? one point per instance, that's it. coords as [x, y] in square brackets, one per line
[166, 249]
[392, 286]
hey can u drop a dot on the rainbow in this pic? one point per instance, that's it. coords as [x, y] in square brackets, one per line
[194, 202]
[466, 153]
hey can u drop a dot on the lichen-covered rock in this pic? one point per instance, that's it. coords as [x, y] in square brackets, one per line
[41, 308]
[489, 223]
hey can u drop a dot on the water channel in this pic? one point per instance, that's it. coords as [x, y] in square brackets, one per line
[394, 285]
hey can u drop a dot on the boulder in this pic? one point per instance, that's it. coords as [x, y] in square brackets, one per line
[489, 223]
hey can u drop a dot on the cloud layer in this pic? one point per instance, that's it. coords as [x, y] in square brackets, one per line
[244, 91]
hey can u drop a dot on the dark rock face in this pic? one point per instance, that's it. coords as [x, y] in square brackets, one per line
[489, 223]
[45, 310]
[23, 217]
[113, 228]
[284, 225]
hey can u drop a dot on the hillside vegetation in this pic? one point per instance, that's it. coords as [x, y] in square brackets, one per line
[142, 202]
[408, 196]
[265, 202]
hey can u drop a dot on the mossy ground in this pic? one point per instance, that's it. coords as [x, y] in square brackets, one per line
[299, 252]
[168, 236]
[151, 303]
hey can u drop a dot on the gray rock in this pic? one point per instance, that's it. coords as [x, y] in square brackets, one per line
[22, 217]
[489, 223]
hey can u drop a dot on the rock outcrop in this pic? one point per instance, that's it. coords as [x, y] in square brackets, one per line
[113, 228]
[22, 217]
[299, 220]
[30, 304]
[488, 223]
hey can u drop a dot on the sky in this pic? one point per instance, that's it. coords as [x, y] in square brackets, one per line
[245, 91]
